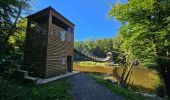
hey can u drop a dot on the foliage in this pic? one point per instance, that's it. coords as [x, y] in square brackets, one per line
[129, 95]
[98, 47]
[51, 91]
[14, 52]
[11, 12]
[12, 29]
[141, 28]
[91, 63]
[142, 84]
[145, 29]
[18, 39]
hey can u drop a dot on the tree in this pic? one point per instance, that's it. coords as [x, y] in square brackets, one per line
[98, 47]
[117, 53]
[125, 58]
[11, 12]
[146, 30]
[10, 29]
[17, 41]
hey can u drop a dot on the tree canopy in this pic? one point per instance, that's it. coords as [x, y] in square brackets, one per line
[146, 31]
[98, 47]
[12, 29]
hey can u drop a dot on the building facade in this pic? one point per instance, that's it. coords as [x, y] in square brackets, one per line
[49, 44]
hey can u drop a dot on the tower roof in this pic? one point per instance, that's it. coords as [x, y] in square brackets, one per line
[48, 9]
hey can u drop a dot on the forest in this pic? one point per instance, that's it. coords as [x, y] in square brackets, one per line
[144, 37]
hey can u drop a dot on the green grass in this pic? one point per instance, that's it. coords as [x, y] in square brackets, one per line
[57, 90]
[129, 95]
[91, 63]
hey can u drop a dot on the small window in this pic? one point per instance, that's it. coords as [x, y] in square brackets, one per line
[63, 60]
[62, 34]
[69, 37]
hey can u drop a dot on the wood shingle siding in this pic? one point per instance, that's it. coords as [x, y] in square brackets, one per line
[48, 45]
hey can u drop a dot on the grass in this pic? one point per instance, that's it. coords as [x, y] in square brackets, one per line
[92, 63]
[93, 69]
[57, 90]
[129, 95]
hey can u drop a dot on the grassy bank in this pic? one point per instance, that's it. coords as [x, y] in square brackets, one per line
[57, 90]
[141, 79]
[92, 63]
[129, 95]
[93, 69]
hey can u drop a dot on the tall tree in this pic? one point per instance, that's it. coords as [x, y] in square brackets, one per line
[11, 12]
[146, 30]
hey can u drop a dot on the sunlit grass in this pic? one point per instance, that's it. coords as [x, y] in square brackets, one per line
[92, 63]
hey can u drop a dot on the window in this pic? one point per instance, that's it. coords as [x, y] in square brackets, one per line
[68, 36]
[39, 28]
[64, 60]
[62, 34]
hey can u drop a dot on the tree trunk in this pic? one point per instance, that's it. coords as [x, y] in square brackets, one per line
[128, 73]
[123, 75]
[164, 65]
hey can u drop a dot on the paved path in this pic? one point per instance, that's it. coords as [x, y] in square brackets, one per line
[84, 88]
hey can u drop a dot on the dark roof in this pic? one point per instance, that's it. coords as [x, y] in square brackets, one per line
[48, 8]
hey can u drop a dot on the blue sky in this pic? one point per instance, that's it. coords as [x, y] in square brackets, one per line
[89, 16]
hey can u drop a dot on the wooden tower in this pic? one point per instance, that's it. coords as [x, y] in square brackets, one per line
[49, 44]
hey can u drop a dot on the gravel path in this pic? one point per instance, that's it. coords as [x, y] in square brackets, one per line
[84, 88]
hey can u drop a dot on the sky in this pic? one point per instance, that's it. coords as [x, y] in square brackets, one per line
[90, 16]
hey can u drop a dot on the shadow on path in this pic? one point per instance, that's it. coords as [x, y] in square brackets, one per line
[84, 88]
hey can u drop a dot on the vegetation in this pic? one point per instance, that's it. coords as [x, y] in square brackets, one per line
[98, 47]
[57, 90]
[92, 63]
[143, 38]
[129, 95]
[12, 29]
[93, 69]
[148, 82]
[145, 31]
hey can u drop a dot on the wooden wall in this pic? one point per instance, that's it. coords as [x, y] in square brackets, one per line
[45, 54]
[56, 52]
[35, 52]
